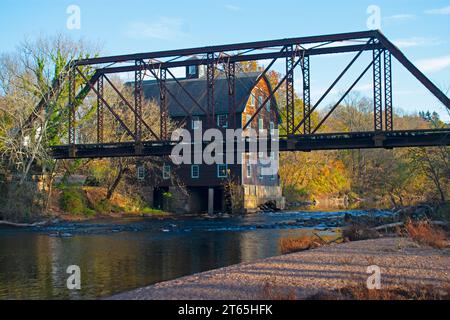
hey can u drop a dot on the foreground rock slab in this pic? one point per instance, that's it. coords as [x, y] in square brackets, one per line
[310, 272]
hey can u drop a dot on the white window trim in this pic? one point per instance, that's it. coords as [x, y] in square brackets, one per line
[166, 172]
[218, 120]
[260, 101]
[190, 68]
[192, 171]
[252, 100]
[260, 127]
[141, 173]
[218, 171]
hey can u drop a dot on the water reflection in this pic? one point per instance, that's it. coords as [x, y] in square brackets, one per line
[33, 263]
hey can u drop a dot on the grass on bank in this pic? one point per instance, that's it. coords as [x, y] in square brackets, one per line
[90, 202]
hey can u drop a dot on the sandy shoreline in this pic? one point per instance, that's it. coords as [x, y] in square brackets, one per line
[309, 272]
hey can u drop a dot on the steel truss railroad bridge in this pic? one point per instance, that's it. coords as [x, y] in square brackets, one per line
[296, 52]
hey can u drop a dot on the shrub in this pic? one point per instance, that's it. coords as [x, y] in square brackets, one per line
[73, 201]
[103, 206]
[425, 234]
[399, 292]
[291, 245]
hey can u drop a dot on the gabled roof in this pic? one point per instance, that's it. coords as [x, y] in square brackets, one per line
[197, 88]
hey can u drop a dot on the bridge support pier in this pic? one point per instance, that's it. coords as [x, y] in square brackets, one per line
[210, 201]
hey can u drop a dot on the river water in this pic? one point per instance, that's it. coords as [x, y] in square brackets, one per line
[120, 255]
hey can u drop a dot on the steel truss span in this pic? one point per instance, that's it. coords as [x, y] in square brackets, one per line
[305, 143]
[82, 77]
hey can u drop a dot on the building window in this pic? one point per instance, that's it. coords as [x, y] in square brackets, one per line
[261, 124]
[260, 101]
[192, 70]
[261, 176]
[222, 121]
[195, 172]
[249, 170]
[196, 123]
[222, 171]
[268, 105]
[272, 128]
[166, 172]
[141, 173]
[247, 120]
[252, 100]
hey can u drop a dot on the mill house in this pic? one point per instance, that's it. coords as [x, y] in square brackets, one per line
[204, 186]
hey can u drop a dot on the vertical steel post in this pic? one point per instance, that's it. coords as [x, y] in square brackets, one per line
[306, 95]
[164, 112]
[389, 115]
[210, 73]
[377, 90]
[72, 131]
[290, 98]
[232, 93]
[139, 75]
[100, 111]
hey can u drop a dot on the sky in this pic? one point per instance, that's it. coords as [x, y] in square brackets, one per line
[419, 28]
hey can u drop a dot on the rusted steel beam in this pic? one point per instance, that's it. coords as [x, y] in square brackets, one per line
[335, 82]
[116, 116]
[138, 92]
[315, 142]
[72, 113]
[344, 95]
[290, 94]
[413, 69]
[210, 86]
[231, 80]
[230, 47]
[389, 114]
[100, 111]
[306, 95]
[128, 104]
[377, 91]
[272, 94]
[164, 109]
[242, 58]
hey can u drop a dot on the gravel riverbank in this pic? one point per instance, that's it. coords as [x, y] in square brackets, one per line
[310, 272]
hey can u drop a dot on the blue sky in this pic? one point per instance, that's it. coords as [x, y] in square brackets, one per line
[419, 28]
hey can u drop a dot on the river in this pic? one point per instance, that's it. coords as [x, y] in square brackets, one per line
[120, 255]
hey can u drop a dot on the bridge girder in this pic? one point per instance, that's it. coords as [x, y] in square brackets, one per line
[295, 51]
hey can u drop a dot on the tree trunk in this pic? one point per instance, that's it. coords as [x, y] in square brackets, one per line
[116, 182]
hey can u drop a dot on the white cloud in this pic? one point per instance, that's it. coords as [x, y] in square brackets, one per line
[232, 7]
[399, 17]
[163, 28]
[445, 10]
[416, 42]
[434, 64]
[364, 87]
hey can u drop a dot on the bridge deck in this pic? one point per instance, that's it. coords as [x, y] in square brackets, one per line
[316, 142]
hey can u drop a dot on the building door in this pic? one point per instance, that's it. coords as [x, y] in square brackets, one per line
[158, 197]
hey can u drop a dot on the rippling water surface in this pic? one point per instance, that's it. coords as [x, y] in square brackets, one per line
[120, 255]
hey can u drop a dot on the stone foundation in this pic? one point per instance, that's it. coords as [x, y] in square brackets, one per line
[255, 196]
[251, 197]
